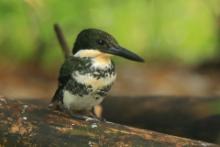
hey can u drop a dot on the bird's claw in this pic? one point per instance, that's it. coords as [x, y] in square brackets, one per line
[87, 118]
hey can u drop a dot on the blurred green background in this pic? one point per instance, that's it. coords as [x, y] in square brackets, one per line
[187, 31]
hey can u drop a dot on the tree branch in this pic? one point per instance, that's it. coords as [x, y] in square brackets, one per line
[32, 124]
[62, 40]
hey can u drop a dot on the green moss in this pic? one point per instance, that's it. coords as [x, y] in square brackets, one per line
[155, 29]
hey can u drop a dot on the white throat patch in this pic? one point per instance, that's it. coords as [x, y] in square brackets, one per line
[100, 59]
[88, 53]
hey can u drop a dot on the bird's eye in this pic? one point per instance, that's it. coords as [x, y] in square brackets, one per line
[101, 42]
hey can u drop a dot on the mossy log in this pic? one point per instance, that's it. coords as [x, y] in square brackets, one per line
[31, 124]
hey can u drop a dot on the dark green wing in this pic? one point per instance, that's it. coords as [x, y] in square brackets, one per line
[70, 64]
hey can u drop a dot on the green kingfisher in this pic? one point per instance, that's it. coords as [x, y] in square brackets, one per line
[88, 73]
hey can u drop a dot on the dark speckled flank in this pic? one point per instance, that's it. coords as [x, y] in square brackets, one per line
[77, 88]
[81, 89]
[103, 91]
[86, 68]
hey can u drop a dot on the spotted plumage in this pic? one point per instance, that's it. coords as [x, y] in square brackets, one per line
[88, 74]
[80, 79]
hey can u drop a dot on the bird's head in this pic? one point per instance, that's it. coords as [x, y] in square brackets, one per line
[94, 41]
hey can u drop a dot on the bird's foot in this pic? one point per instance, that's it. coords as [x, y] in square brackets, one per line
[84, 117]
[81, 115]
[87, 116]
[96, 119]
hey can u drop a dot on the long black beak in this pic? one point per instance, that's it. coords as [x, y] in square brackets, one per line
[120, 51]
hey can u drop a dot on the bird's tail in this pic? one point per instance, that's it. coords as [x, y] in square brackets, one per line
[56, 100]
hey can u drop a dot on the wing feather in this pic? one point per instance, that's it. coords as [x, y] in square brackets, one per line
[70, 64]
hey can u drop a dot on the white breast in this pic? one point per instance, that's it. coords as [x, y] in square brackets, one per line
[86, 102]
[77, 103]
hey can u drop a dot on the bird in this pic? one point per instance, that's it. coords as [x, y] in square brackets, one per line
[88, 73]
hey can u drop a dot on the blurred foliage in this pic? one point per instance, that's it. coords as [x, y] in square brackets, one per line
[157, 29]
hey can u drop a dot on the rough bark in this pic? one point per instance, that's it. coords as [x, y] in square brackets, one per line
[31, 124]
